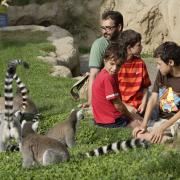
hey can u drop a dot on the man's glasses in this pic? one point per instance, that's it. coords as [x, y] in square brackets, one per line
[107, 28]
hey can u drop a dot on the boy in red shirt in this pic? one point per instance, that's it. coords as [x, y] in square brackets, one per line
[133, 77]
[108, 109]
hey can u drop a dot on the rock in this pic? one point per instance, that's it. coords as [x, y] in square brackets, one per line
[156, 20]
[61, 71]
[48, 59]
[52, 54]
[84, 63]
[67, 54]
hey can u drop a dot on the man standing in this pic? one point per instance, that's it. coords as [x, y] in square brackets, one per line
[111, 26]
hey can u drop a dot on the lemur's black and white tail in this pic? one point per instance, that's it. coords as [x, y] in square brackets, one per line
[8, 90]
[36, 117]
[119, 146]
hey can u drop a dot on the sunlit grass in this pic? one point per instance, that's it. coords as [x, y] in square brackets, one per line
[51, 94]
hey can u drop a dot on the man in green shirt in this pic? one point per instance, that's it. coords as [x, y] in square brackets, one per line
[111, 26]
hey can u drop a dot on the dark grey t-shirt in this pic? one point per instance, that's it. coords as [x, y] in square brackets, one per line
[168, 88]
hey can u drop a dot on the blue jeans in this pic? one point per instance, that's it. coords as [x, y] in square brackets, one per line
[122, 121]
[3, 20]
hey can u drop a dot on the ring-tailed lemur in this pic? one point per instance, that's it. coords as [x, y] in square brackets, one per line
[29, 111]
[10, 121]
[118, 146]
[65, 131]
[41, 149]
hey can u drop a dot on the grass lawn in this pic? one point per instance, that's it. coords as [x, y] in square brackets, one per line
[52, 96]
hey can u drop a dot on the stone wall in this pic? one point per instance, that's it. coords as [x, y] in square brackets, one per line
[156, 20]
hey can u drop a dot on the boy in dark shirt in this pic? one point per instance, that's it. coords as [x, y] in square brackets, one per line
[166, 92]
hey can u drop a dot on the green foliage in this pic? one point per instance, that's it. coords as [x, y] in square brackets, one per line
[84, 50]
[51, 95]
[146, 55]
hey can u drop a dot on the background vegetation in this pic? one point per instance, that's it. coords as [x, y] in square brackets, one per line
[52, 96]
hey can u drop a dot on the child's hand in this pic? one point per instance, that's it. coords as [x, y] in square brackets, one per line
[157, 134]
[141, 108]
[131, 109]
[137, 130]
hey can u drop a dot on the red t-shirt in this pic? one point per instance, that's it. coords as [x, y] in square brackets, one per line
[105, 89]
[133, 78]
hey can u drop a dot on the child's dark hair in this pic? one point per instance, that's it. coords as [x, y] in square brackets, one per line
[128, 38]
[113, 52]
[115, 16]
[168, 51]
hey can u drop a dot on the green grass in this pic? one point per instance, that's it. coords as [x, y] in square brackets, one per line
[52, 96]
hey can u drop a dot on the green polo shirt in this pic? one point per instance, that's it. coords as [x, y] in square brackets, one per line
[97, 53]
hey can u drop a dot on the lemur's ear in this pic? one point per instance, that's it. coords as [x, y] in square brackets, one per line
[35, 126]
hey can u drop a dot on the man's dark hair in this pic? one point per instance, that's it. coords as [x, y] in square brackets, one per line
[128, 38]
[168, 51]
[115, 16]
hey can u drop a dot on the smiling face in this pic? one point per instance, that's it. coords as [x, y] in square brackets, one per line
[109, 29]
[112, 66]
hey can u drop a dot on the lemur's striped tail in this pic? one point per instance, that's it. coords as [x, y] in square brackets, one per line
[119, 145]
[36, 117]
[23, 90]
[8, 90]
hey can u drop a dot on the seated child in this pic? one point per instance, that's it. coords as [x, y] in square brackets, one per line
[108, 109]
[133, 77]
[166, 92]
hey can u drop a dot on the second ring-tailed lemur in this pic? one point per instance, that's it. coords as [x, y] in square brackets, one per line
[40, 149]
[65, 131]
